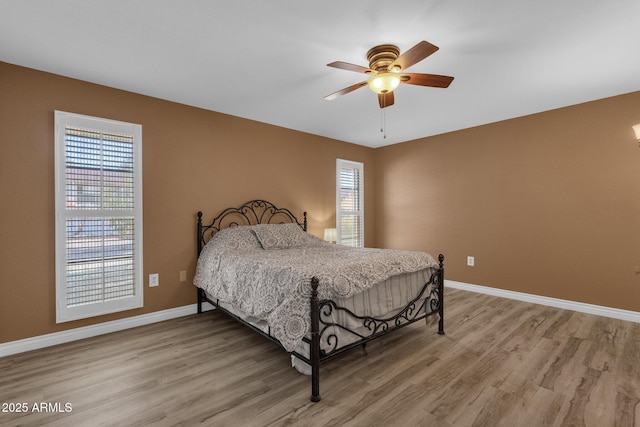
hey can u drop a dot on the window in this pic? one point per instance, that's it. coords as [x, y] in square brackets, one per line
[350, 202]
[98, 216]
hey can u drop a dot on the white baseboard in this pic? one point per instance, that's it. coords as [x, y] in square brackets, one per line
[206, 306]
[615, 313]
[27, 344]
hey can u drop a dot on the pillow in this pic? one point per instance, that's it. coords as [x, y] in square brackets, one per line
[281, 236]
[236, 238]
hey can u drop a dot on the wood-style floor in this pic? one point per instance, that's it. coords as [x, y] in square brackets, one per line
[501, 363]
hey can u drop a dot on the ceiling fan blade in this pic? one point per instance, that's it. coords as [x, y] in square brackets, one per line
[432, 80]
[350, 67]
[345, 91]
[385, 99]
[414, 55]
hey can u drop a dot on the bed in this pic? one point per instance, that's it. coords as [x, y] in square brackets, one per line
[315, 299]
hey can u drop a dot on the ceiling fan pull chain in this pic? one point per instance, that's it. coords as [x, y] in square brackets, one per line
[383, 123]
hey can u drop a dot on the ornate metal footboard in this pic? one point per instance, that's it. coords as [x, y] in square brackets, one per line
[323, 327]
[324, 342]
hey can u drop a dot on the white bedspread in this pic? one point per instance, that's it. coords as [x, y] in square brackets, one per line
[266, 271]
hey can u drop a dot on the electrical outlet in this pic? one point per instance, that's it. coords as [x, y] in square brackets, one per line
[154, 280]
[183, 276]
[471, 261]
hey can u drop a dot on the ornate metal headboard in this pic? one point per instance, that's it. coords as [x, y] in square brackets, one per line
[251, 213]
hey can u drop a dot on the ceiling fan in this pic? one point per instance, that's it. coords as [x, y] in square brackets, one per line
[386, 67]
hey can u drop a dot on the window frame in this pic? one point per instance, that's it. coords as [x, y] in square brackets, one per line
[342, 164]
[65, 313]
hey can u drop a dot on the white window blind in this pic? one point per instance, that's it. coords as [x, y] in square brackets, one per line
[350, 202]
[98, 216]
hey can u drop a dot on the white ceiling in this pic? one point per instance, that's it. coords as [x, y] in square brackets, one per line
[266, 60]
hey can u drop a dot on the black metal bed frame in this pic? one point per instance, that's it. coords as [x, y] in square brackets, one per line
[322, 328]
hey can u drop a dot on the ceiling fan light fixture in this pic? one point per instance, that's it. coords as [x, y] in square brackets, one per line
[387, 69]
[384, 82]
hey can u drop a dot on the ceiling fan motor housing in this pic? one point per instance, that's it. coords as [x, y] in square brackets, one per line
[380, 57]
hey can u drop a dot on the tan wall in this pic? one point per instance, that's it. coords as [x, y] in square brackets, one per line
[548, 204]
[193, 160]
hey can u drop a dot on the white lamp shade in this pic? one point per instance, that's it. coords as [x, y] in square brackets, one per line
[330, 234]
[636, 129]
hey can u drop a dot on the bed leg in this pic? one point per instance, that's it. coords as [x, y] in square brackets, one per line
[199, 249]
[315, 342]
[441, 292]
